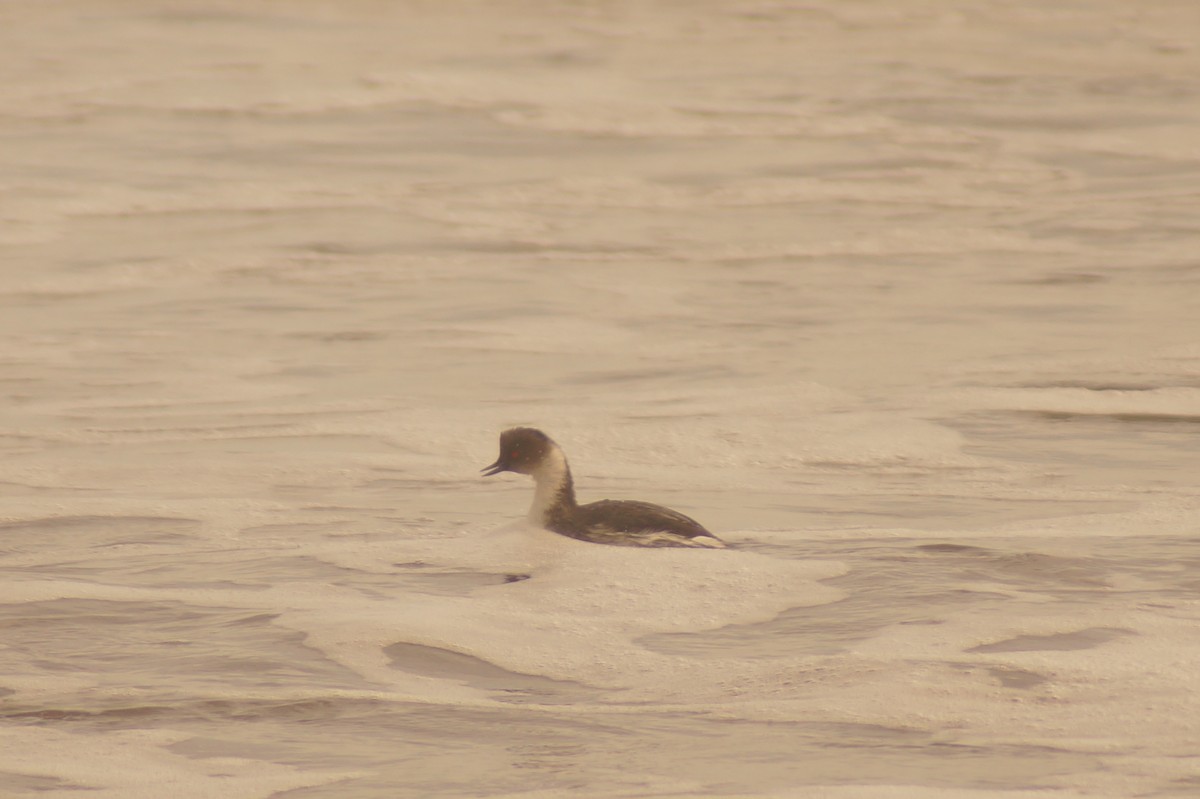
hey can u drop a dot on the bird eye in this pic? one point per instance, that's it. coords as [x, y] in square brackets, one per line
[514, 454]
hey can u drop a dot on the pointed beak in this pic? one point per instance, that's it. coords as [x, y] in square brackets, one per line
[495, 468]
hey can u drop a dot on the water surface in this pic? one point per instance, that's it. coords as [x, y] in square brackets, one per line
[899, 299]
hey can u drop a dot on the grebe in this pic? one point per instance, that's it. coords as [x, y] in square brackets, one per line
[617, 522]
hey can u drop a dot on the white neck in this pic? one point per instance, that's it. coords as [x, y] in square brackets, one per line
[550, 476]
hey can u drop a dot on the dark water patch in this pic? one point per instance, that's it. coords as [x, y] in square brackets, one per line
[429, 579]
[816, 630]
[1184, 786]
[1047, 571]
[1119, 165]
[1094, 385]
[1015, 425]
[1167, 567]
[135, 713]
[642, 417]
[1017, 678]
[645, 375]
[246, 570]
[128, 524]
[166, 644]
[954, 549]
[875, 601]
[1007, 567]
[446, 752]
[15, 784]
[934, 512]
[1088, 638]
[13, 488]
[1088, 449]
[294, 530]
[905, 582]
[1063, 279]
[114, 714]
[91, 533]
[341, 336]
[872, 166]
[519, 247]
[430, 661]
[400, 750]
[21, 441]
[1132, 417]
[456, 583]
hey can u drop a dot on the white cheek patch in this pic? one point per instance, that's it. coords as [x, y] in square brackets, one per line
[549, 476]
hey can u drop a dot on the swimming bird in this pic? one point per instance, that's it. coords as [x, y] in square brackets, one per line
[626, 523]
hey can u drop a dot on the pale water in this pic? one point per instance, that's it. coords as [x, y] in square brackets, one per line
[901, 299]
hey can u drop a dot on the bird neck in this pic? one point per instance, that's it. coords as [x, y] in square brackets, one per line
[554, 487]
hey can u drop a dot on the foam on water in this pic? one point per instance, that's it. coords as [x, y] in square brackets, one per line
[582, 608]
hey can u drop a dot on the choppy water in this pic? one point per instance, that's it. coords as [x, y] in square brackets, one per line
[901, 299]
